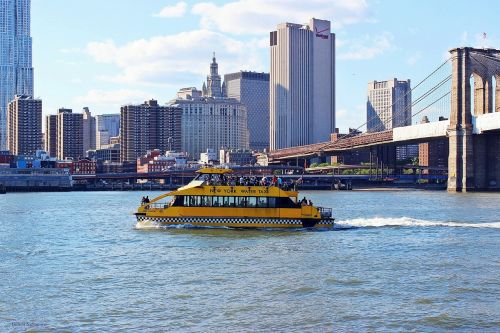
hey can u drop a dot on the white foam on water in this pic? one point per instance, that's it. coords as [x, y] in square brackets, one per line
[408, 222]
[148, 224]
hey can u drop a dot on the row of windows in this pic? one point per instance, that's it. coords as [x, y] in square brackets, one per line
[239, 202]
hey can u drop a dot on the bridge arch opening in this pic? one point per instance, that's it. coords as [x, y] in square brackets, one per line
[494, 94]
[472, 83]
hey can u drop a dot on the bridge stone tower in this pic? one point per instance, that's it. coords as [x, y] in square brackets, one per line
[474, 161]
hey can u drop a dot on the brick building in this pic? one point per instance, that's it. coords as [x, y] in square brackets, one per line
[24, 125]
[149, 126]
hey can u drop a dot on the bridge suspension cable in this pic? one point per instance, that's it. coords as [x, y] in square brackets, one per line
[426, 90]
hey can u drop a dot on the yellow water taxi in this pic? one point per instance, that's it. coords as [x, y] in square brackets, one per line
[216, 198]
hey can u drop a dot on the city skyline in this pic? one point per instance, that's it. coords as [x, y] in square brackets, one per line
[93, 60]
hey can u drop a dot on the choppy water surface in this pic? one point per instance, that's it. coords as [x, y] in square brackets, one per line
[398, 261]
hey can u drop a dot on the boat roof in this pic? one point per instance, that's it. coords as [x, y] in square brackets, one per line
[214, 171]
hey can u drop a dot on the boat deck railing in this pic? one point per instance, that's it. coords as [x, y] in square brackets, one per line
[325, 212]
[158, 205]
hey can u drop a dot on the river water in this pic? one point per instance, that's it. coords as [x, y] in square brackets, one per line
[408, 261]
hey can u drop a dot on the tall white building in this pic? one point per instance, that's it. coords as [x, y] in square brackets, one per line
[16, 71]
[209, 119]
[209, 123]
[107, 126]
[389, 105]
[302, 84]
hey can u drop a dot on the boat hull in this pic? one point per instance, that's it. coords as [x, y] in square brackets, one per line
[237, 222]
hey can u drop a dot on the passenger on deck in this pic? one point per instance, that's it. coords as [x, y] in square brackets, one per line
[297, 183]
[303, 202]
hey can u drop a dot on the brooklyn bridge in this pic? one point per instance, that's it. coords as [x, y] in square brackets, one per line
[464, 107]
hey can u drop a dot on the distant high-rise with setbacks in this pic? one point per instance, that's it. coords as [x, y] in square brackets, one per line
[388, 105]
[252, 89]
[302, 84]
[16, 71]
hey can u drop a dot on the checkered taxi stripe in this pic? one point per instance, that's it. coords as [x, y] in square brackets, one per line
[214, 220]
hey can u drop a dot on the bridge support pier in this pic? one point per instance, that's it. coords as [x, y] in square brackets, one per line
[460, 160]
[473, 160]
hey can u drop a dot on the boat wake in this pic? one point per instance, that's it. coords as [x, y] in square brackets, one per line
[147, 224]
[151, 225]
[408, 222]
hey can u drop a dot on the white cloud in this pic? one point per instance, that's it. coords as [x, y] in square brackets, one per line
[413, 59]
[70, 50]
[177, 10]
[111, 98]
[176, 60]
[365, 48]
[261, 16]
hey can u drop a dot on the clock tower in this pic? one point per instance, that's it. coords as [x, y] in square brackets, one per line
[214, 88]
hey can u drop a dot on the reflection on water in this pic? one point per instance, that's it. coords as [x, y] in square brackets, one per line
[396, 261]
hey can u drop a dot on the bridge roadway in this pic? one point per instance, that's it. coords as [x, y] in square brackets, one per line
[397, 136]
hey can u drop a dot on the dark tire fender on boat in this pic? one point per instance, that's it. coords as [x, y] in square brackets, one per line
[309, 223]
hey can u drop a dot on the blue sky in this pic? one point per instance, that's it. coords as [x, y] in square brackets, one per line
[105, 53]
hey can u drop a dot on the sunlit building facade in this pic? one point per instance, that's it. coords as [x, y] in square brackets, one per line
[16, 71]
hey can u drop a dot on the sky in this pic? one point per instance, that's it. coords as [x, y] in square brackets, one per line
[106, 53]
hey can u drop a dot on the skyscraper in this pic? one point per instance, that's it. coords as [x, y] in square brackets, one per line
[389, 105]
[51, 134]
[252, 89]
[302, 84]
[69, 134]
[149, 126]
[89, 130]
[16, 71]
[211, 121]
[107, 126]
[24, 125]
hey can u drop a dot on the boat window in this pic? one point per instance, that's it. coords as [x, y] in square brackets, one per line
[285, 202]
[229, 202]
[217, 201]
[178, 201]
[195, 201]
[241, 201]
[261, 202]
[206, 201]
[252, 202]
